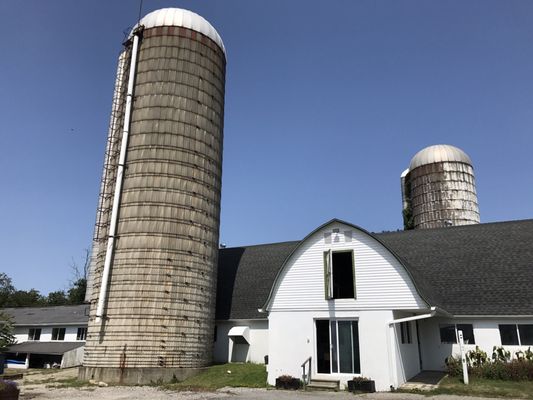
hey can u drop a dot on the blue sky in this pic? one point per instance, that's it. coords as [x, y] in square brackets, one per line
[326, 103]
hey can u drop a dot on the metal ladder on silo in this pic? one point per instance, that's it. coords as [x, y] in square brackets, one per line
[110, 158]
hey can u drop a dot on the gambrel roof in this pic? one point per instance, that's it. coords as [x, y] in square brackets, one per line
[245, 276]
[482, 269]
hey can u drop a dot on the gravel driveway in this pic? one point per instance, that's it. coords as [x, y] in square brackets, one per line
[37, 385]
[150, 393]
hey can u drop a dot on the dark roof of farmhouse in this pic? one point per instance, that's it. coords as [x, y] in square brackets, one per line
[482, 269]
[55, 315]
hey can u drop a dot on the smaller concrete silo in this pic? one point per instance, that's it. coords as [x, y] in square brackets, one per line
[438, 189]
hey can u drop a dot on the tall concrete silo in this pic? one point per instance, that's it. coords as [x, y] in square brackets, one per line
[438, 189]
[153, 272]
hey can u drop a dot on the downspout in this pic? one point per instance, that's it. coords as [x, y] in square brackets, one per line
[118, 185]
[392, 342]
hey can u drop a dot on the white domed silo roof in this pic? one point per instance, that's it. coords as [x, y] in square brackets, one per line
[183, 18]
[439, 153]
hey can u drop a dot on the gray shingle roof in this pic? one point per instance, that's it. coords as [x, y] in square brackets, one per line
[245, 277]
[54, 315]
[483, 269]
[44, 347]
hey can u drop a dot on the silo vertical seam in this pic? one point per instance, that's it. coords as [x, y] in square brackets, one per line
[118, 184]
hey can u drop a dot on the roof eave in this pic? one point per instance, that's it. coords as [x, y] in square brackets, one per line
[81, 324]
[504, 316]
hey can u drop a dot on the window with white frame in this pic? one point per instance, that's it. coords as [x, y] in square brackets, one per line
[516, 334]
[405, 331]
[448, 333]
[34, 334]
[58, 333]
[339, 274]
[82, 334]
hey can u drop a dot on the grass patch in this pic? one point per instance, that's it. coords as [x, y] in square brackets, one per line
[217, 376]
[483, 388]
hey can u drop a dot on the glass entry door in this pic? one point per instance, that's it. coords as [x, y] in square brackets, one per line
[322, 347]
[337, 347]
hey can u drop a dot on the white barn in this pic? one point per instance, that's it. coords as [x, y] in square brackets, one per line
[344, 302]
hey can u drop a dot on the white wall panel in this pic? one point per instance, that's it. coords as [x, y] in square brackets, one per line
[292, 341]
[407, 356]
[258, 340]
[486, 335]
[381, 281]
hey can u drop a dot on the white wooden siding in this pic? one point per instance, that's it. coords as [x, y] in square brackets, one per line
[381, 281]
[71, 333]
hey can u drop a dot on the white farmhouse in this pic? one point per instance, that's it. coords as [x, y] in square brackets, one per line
[48, 336]
[344, 302]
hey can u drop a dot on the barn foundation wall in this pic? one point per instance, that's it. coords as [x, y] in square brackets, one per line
[136, 376]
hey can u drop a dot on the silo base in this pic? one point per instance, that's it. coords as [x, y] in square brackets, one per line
[137, 376]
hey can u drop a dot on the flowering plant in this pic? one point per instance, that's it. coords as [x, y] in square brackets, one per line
[286, 378]
[360, 379]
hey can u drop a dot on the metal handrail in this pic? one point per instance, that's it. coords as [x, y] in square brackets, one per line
[306, 378]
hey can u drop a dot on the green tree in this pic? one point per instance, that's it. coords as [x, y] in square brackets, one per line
[26, 298]
[78, 286]
[6, 289]
[76, 294]
[6, 331]
[57, 298]
[408, 220]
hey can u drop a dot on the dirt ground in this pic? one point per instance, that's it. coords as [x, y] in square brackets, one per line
[51, 385]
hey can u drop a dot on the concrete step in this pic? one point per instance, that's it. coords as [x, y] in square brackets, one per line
[323, 384]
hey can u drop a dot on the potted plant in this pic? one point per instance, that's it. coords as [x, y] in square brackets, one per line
[287, 382]
[361, 384]
[8, 390]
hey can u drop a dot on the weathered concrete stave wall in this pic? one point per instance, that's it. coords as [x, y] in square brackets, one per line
[161, 298]
[443, 193]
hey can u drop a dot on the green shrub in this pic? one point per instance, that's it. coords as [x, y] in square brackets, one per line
[454, 366]
[476, 358]
[501, 368]
[286, 378]
[494, 370]
[515, 370]
[525, 355]
[500, 354]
